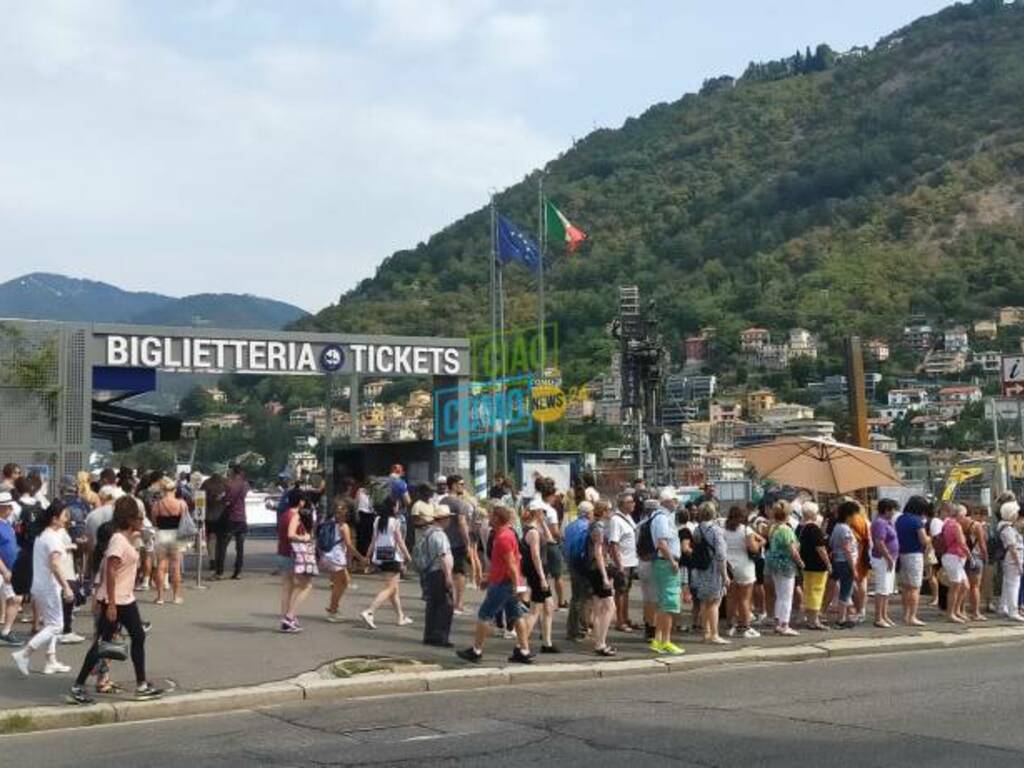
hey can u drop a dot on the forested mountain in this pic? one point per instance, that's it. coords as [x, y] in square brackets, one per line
[45, 296]
[838, 192]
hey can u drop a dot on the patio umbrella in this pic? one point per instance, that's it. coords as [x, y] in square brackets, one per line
[821, 465]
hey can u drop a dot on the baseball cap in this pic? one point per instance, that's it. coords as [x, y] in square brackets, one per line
[6, 498]
[441, 480]
[668, 493]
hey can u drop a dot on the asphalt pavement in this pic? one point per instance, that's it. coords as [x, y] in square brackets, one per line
[935, 708]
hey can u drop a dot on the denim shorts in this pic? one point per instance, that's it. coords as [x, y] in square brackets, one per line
[501, 597]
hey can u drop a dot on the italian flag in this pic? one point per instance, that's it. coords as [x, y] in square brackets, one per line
[561, 230]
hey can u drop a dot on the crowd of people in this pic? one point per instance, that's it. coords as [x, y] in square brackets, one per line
[782, 566]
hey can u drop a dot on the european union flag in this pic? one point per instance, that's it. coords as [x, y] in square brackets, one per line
[513, 245]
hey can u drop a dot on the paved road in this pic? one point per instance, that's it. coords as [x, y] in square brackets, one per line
[226, 636]
[940, 708]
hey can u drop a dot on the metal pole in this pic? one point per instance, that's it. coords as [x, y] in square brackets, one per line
[492, 465]
[328, 434]
[541, 237]
[504, 372]
[995, 438]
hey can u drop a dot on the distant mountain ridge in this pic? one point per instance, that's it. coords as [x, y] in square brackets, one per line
[47, 296]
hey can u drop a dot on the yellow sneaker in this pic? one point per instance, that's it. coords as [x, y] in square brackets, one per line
[656, 647]
[672, 649]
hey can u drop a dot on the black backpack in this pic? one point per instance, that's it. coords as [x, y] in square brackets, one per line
[996, 548]
[703, 552]
[646, 548]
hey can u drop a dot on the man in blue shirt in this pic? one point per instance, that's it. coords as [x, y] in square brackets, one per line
[8, 554]
[665, 572]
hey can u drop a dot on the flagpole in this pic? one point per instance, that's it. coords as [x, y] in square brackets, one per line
[504, 371]
[541, 235]
[493, 463]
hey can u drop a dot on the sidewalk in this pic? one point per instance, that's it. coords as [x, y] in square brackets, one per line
[227, 636]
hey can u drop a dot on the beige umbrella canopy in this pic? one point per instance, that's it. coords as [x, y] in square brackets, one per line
[821, 465]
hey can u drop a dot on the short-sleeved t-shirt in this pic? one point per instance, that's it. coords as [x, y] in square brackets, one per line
[460, 510]
[861, 532]
[812, 537]
[1011, 539]
[780, 548]
[437, 546]
[121, 547]
[47, 543]
[504, 544]
[97, 518]
[842, 534]
[8, 544]
[884, 531]
[663, 527]
[907, 533]
[623, 534]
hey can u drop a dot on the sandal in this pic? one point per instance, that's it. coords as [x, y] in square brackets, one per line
[607, 651]
[109, 688]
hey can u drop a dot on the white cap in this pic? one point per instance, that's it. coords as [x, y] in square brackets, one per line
[441, 480]
[668, 493]
[6, 499]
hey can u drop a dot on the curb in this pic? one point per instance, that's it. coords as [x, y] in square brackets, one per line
[34, 719]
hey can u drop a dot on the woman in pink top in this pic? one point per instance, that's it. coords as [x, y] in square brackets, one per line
[953, 561]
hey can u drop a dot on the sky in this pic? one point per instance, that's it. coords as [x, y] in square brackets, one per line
[286, 148]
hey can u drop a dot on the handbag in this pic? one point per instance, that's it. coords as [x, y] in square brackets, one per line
[304, 557]
[187, 528]
[112, 651]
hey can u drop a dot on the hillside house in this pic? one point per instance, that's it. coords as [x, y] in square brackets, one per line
[953, 399]
[985, 329]
[753, 339]
[1011, 316]
[802, 343]
[759, 401]
[918, 335]
[943, 363]
[988, 361]
[956, 340]
[877, 350]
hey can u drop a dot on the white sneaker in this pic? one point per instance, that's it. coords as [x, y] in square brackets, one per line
[70, 638]
[509, 634]
[54, 667]
[751, 633]
[731, 632]
[367, 618]
[405, 621]
[21, 660]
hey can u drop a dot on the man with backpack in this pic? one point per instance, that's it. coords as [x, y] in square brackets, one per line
[576, 549]
[658, 542]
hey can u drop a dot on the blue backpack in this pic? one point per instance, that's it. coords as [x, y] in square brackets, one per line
[327, 535]
[576, 544]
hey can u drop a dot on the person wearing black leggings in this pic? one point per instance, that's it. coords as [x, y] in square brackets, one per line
[115, 603]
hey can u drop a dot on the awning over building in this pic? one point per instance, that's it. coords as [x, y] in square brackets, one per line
[125, 427]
